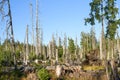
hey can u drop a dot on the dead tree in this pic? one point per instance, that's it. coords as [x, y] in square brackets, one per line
[50, 50]
[56, 55]
[76, 49]
[41, 41]
[27, 47]
[118, 45]
[65, 56]
[44, 53]
[32, 21]
[53, 46]
[102, 44]
[108, 50]
[6, 42]
[10, 24]
[37, 30]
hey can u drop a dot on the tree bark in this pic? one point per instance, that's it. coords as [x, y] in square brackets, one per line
[12, 33]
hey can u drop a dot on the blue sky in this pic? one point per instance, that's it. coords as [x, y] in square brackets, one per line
[56, 16]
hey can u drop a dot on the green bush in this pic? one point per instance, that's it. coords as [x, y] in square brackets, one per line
[43, 74]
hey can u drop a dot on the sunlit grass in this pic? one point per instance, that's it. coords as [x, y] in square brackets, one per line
[93, 68]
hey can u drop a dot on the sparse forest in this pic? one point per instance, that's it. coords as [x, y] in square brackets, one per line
[63, 58]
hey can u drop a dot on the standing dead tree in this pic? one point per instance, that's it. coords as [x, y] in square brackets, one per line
[65, 55]
[27, 47]
[37, 30]
[32, 21]
[9, 21]
[39, 33]
[12, 34]
[53, 47]
[41, 42]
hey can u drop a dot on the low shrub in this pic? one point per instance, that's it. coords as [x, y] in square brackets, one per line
[43, 74]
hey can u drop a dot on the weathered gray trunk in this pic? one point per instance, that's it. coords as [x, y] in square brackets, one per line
[108, 52]
[32, 21]
[101, 53]
[41, 40]
[118, 46]
[50, 51]
[37, 30]
[12, 33]
[64, 48]
[44, 53]
[56, 55]
[76, 49]
[53, 46]
[27, 46]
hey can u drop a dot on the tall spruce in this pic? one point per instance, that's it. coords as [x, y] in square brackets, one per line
[113, 21]
[104, 10]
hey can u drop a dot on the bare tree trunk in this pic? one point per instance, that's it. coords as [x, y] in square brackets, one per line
[112, 49]
[114, 70]
[118, 46]
[67, 56]
[53, 46]
[81, 53]
[32, 21]
[50, 51]
[37, 30]
[12, 34]
[101, 54]
[108, 52]
[56, 55]
[103, 44]
[47, 53]
[64, 48]
[44, 53]
[6, 47]
[27, 46]
[41, 40]
[76, 49]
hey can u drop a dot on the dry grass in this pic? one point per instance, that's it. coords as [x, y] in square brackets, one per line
[93, 68]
